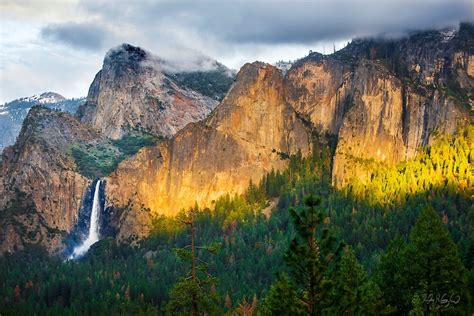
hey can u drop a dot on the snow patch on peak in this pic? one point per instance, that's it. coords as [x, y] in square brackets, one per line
[44, 98]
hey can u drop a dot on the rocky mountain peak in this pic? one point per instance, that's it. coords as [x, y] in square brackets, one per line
[46, 97]
[125, 54]
[39, 173]
[133, 92]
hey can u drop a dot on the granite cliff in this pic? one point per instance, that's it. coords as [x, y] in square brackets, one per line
[136, 90]
[41, 190]
[240, 141]
[382, 100]
[378, 101]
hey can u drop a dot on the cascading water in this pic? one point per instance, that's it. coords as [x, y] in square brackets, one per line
[94, 226]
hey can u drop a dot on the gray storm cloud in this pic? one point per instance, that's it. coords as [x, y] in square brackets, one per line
[77, 35]
[185, 31]
[282, 22]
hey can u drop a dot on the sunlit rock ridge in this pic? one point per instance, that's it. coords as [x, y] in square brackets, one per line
[381, 99]
[44, 176]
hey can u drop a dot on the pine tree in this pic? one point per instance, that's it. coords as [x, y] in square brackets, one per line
[194, 294]
[311, 257]
[435, 268]
[281, 299]
[352, 293]
[391, 276]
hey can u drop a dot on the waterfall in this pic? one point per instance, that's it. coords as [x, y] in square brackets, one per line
[94, 226]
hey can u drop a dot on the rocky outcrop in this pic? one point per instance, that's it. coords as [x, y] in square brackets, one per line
[371, 97]
[320, 89]
[41, 190]
[241, 141]
[134, 91]
[380, 100]
[13, 113]
[383, 99]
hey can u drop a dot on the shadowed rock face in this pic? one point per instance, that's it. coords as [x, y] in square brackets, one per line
[40, 191]
[239, 142]
[132, 91]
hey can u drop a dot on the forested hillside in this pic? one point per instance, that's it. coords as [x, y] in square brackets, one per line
[404, 216]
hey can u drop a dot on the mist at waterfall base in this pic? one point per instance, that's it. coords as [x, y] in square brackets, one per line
[88, 229]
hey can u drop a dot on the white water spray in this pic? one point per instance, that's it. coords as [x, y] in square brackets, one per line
[93, 236]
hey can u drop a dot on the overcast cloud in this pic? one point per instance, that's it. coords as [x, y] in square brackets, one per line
[77, 35]
[58, 45]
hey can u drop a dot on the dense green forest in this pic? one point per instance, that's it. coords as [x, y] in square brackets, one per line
[402, 243]
[99, 160]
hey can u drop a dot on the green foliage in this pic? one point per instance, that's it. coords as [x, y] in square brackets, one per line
[352, 292]
[113, 279]
[131, 143]
[212, 83]
[187, 291]
[434, 266]
[98, 160]
[417, 309]
[281, 299]
[427, 267]
[390, 275]
[310, 258]
[194, 294]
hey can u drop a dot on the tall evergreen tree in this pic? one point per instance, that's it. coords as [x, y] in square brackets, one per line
[194, 294]
[310, 258]
[391, 276]
[282, 300]
[352, 293]
[436, 272]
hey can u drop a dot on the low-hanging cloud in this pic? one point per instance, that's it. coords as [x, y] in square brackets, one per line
[285, 22]
[77, 35]
[183, 31]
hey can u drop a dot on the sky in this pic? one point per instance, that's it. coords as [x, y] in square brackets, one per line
[59, 45]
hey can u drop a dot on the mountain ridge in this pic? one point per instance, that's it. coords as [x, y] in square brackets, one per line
[373, 111]
[379, 107]
[134, 90]
[14, 112]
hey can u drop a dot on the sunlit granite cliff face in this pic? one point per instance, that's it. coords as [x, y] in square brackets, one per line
[377, 101]
[241, 141]
[134, 91]
[381, 100]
